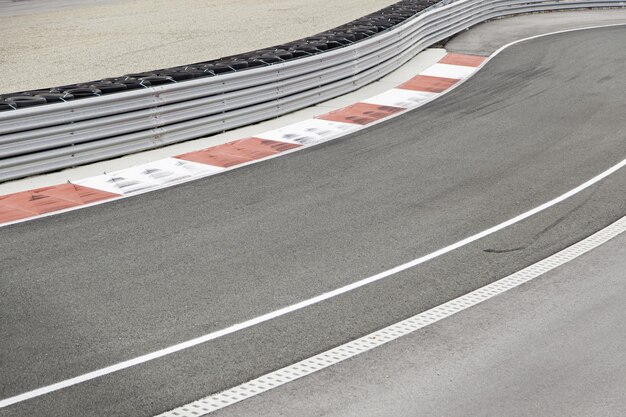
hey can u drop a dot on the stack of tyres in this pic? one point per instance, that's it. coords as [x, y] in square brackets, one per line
[129, 82]
[152, 78]
[108, 87]
[237, 64]
[175, 74]
[197, 72]
[269, 59]
[83, 92]
[55, 97]
[5, 105]
[32, 98]
[217, 68]
[19, 101]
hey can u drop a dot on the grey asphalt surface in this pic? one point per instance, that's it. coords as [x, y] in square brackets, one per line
[89, 288]
[487, 37]
[554, 347]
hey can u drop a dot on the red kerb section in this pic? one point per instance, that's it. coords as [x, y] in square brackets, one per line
[465, 60]
[45, 200]
[361, 113]
[237, 152]
[428, 83]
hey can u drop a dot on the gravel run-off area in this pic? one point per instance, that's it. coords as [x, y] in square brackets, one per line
[47, 43]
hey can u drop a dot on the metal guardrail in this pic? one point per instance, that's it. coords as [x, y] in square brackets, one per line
[52, 137]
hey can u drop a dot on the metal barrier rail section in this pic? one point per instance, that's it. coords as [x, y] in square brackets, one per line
[45, 131]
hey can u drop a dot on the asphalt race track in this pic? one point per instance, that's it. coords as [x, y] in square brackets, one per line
[93, 287]
[552, 347]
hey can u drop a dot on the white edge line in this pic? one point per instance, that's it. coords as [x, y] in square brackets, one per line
[325, 296]
[383, 336]
[306, 303]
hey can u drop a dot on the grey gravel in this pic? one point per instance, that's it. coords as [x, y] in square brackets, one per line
[98, 39]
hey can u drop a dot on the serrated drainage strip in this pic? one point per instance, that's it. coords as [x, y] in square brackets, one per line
[331, 357]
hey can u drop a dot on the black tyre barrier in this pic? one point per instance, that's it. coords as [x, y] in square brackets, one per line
[158, 79]
[6, 106]
[309, 49]
[34, 92]
[198, 72]
[25, 101]
[56, 97]
[107, 87]
[332, 44]
[237, 64]
[344, 38]
[152, 77]
[81, 92]
[270, 59]
[253, 63]
[218, 68]
[366, 30]
[46, 94]
[138, 75]
[357, 30]
[176, 75]
[129, 82]
[66, 87]
[321, 46]
[283, 54]
[296, 53]
[357, 36]
[10, 95]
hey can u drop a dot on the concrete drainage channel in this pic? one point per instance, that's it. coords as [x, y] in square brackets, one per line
[47, 130]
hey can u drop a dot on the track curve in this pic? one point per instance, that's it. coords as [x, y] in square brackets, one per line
[100, 285]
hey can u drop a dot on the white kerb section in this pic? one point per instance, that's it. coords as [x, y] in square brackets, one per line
[449, 71]
[310, 132]
[331, 357]
[153, 175]
[398, 97]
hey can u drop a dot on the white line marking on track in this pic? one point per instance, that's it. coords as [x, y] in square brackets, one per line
[306, 303]
[373, 340]
[315, 300]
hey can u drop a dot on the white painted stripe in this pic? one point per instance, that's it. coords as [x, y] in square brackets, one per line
[310, 132]
[381, 337]
[306, 303]
[286, 310]
[449, 71]
[397, 97]
[148, 176]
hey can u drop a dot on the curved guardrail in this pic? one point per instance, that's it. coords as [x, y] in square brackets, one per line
[47, 138]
